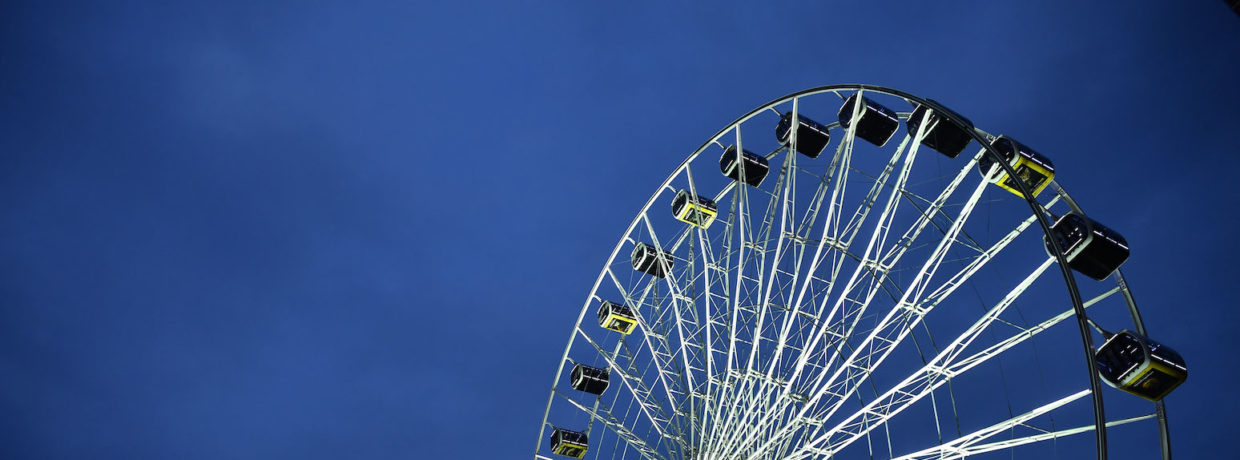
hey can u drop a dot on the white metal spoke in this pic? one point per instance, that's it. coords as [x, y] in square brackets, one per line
[784, 398]
[892, 257]
[724, 412]
[965, 451]
[902, 318]
[755, 256]
[740, 428]
[899, 321]
[958, 447]
[907, 392]
[973, 438]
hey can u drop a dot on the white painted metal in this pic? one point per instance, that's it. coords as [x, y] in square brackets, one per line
[766, 337]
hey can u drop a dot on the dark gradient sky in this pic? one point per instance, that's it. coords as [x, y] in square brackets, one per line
[314, 230]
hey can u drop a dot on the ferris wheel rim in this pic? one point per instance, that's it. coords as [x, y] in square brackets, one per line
[976, 134]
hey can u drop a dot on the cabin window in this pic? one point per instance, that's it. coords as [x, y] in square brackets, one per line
[1032, 179]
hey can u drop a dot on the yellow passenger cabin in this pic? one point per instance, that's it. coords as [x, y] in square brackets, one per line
[569, 443]
[1135, 364]
[694, 210]
[616, 317]
[1035, 170]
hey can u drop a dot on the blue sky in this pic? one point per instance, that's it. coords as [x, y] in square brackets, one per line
[338, 230]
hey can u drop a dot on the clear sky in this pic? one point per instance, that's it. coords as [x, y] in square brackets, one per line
[364, 230]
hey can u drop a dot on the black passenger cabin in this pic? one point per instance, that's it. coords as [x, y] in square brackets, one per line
[875, 123]
[941, 134]
[755, 166]
[569, 443]
[651, 261]
[1035, 170]
[1091, 248]
[1138, 365]
[589, 379]
[812, 137]
[617, 317]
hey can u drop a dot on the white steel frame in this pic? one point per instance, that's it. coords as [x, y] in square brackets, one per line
[762, 340]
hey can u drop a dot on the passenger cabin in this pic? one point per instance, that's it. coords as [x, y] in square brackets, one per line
[1138, 365]
[941, 134]
[589, 379]
[1035, 170]
[812, 137]
[651, 261]
[569, 443]
[755, 166]
[616, 317]
[1091, 249]
[875, 123]
[694, 210]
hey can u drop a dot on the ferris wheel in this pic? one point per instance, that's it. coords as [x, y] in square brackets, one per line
[853, 271]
